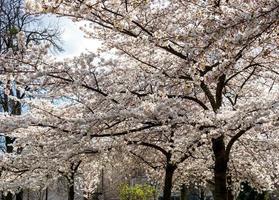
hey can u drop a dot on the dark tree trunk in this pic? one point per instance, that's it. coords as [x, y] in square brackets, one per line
[220, 169]
[19, 196]
[71, 189]
[71, 180]
[46, 194]
[15, 109]
[5, 103]
[71, 192]
[168, 181]
[9, 141]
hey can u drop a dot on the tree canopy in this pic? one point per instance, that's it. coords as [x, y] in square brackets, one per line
[188, 90]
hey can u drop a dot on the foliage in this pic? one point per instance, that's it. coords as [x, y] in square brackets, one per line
[187, 90]
[137, 192]
[14, 30]
[18, 30]
[249, 193]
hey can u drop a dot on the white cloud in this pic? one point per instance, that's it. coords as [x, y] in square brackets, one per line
[73, 40]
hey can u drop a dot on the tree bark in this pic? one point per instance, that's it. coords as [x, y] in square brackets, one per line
[220, 169]
[71, 192]
[168, 181]
[19, 196]
[71, 180]
[46, 197]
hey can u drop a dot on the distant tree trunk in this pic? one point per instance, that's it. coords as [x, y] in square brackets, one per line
[202, 195]
[28, 194]
[15, 109]
[71, 180]
[183, 192]
[220, 169]
[71, 191]
[168, 181]
[19, 196]
[46, 197]
[5, 103]
[9, 141]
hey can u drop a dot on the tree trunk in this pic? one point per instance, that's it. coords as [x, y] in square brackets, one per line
[71, 192]
[19, 196]
[183, 192]
[28, 194]
[46, 194]
[220, 169]
[168, 181]
[202, 195]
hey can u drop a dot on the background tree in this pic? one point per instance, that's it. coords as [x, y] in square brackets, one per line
[14, 22]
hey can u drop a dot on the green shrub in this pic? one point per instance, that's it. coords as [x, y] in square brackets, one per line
[137, 192]
[13, 30]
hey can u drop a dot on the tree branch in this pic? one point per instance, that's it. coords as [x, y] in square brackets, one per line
[134, 130]
[234, 139]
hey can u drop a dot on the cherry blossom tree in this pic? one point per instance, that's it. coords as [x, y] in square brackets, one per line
[187, 87]
[17, 31]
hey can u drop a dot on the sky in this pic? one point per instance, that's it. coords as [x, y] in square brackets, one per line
[73, 40]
